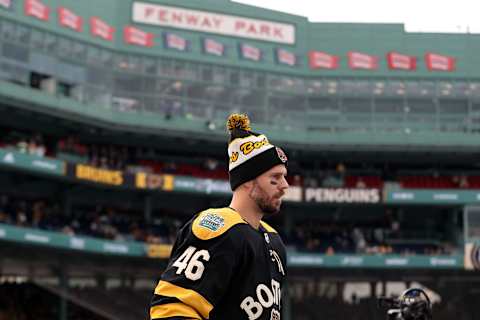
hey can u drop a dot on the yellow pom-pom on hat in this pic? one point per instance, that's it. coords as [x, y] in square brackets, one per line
[238, 121]
[250, 153]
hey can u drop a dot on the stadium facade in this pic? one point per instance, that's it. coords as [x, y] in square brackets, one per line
[313, 82]
[164, 75]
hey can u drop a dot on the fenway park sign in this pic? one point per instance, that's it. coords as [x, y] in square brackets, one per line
[204, 21]
[338, 195]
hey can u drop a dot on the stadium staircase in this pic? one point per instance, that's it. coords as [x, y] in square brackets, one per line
[114, 304]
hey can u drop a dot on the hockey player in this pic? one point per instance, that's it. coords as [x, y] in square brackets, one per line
[226, 263]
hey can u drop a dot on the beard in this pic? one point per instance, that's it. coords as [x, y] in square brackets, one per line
[267, 204]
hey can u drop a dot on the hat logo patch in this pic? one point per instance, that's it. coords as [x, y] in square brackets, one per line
[212, 221]
[281, 155]
[234, 157]
[249, 146]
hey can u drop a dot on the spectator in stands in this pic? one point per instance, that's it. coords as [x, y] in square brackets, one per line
[38, 214]
[115, 224]
[341, 170]
[72, 146]
[359, 240]
[21, 214]
[36, 146]
[22, 146]
[360, 183]
[4, 218]
[461, 181]
[210, 164]
[5, 210]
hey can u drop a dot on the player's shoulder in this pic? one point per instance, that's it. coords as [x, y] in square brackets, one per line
[267, 227]
[214, 222]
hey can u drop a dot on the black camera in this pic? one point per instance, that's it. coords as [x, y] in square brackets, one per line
[412, 304]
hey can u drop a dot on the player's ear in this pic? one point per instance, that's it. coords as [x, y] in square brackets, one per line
[247, 186]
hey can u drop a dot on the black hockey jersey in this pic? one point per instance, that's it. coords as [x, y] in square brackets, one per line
[222, 268]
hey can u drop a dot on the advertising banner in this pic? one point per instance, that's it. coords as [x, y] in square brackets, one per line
[63, 241]
[213, 47]
[161, 251]
[134, 36]
[7, 4]
[432, 196]
[167, 182]
[249, 52]
[206, 186]
[36, 9]
[398, 61]
[68, 19]
[358, 60]
[211, 22]
[285, 57]
[32, 163]
[88, 173]
[438, 62]
[322, 60]
[99, 28]
[296, 259]
[163, 182]
[339, 195]
[173, 41]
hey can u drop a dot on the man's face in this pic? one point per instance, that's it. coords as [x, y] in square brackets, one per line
[268, 189]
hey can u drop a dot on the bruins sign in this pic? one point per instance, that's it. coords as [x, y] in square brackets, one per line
[111, 177]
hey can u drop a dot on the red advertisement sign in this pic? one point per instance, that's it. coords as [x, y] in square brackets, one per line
[132, 35]
[36, 9]
[172, 41]
[6, 3]
[213, 47]
[438, 62]
[400, 61]
[286, 57]
[358, 60]
[101, 29]
[322, 60]
[250, 52]
[67, 18]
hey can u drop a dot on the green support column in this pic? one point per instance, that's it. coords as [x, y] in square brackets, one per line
[288, 224]
[63, 313]
[147, 208]
[373, 290]
[67, 204]
[286, 303]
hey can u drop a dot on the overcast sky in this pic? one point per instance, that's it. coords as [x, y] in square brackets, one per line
[417, 15]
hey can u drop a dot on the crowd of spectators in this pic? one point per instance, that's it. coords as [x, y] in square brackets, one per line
[117, 224]
[326, 237]
[99, 221]
[134, 159]
[383, 235]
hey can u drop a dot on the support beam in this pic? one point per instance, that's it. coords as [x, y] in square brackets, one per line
[287, 303]
[147, 208]
[63, 303]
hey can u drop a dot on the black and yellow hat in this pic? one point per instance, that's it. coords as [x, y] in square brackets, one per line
[250, 153]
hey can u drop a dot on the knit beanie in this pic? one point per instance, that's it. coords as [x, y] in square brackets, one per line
[250, 153]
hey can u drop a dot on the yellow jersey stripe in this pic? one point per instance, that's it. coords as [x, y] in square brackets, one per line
[173, 310]
[187, 296]
[268, 227]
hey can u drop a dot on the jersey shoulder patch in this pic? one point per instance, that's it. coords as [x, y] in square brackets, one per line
[268, 227]
[212, 223]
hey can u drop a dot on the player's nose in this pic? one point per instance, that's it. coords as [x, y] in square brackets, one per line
[283, 186]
